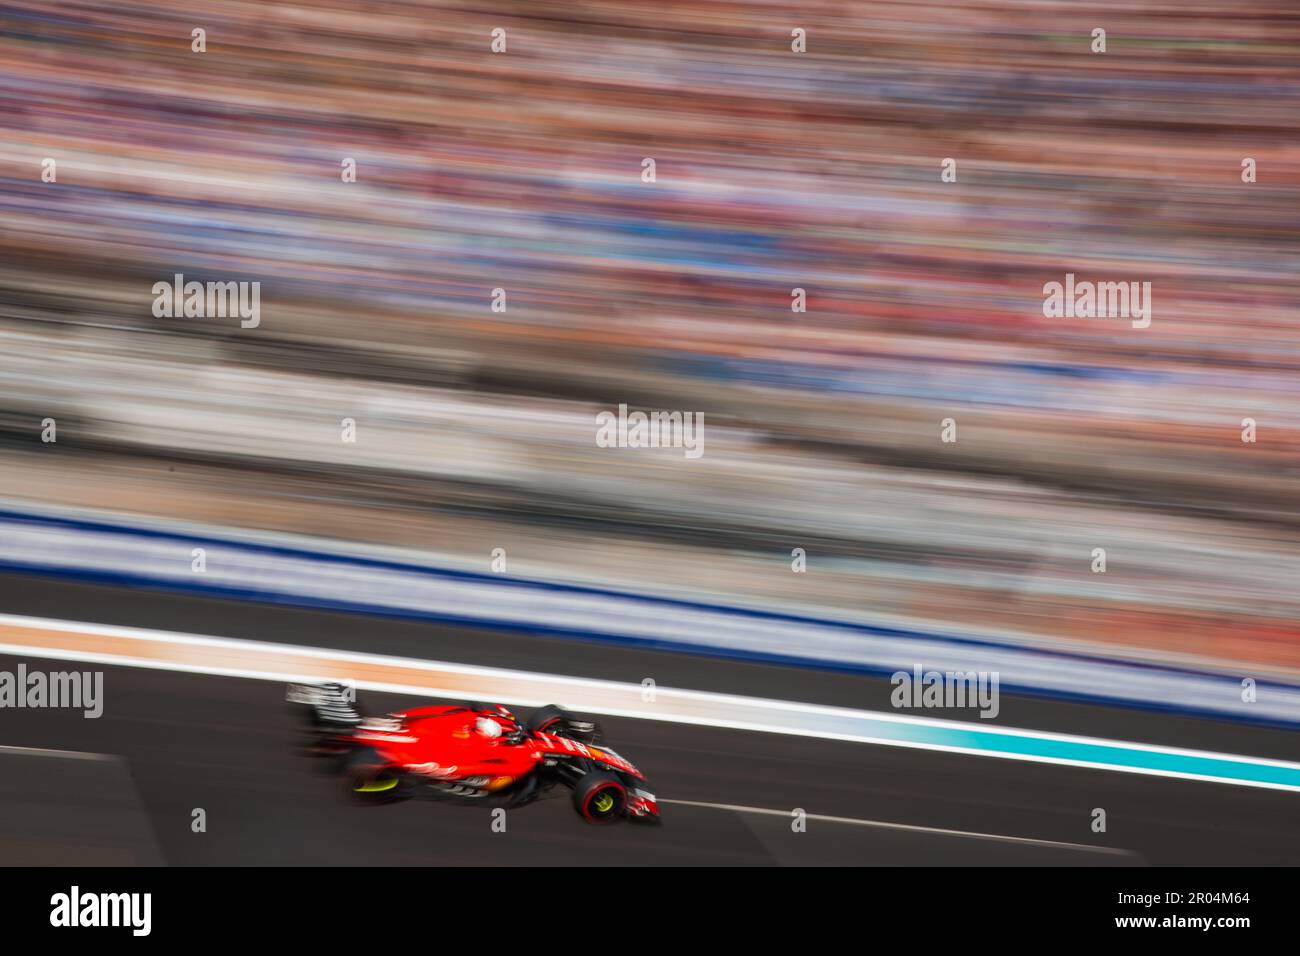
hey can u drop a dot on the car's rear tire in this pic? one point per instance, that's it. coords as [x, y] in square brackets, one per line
[371, 780]
[600, 798]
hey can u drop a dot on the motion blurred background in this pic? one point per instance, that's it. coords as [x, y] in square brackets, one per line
[775, 170]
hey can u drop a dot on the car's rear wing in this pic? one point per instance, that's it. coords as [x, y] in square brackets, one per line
[333, 706]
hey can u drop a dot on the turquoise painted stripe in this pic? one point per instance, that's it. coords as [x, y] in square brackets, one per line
[1050, 748]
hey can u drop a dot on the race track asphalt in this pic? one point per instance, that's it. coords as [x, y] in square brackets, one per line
[172, 743]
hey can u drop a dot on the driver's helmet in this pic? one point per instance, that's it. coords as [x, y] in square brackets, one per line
[487, 727]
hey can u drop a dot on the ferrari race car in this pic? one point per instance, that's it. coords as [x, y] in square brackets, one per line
[473, 754]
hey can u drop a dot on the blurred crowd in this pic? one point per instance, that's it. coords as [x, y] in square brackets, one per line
[774, 170]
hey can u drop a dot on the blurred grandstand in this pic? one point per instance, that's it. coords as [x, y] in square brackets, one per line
[775, 170]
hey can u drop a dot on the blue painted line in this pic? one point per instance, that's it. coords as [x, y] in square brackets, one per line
[523, 584]
[486, 620]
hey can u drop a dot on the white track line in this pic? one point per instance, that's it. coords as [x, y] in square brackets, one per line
[42, 752]
[907, 827]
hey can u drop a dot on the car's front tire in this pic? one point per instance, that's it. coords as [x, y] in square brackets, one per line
[553, 719]
[600, 798]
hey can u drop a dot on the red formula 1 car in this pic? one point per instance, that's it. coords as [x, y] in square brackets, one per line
[473, 753]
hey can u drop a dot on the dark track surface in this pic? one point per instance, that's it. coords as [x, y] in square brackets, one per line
[226, 745]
